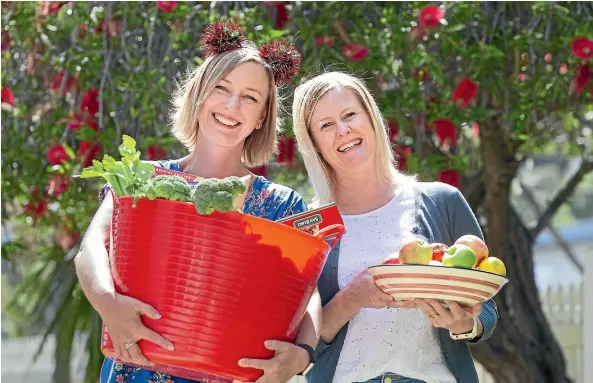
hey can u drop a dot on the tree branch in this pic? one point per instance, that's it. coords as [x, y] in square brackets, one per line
[562, 195]
[562, 243]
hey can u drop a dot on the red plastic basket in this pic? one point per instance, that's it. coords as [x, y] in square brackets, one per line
[223, 283]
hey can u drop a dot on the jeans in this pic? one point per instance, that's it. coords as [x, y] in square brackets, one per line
[393, 378]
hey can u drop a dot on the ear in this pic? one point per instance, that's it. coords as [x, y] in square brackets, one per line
[260, 122]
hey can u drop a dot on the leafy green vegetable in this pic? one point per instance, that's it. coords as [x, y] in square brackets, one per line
[127, 177]
[218, 194]
[173, 188]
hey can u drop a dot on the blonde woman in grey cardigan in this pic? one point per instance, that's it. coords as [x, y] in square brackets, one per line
[366, 336]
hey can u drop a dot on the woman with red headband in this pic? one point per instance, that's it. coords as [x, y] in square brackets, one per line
[225, 113]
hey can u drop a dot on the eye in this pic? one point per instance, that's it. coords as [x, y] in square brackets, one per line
[250, 98]
[349, 115]
[222, 88]
[327, 124]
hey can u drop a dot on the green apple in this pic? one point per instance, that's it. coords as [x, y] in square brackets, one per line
[415, 252]
[460, 256]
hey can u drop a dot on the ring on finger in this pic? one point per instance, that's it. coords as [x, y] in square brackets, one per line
[433, 315]
[128, 345]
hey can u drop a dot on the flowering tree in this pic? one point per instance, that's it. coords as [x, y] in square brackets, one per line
[469, 90]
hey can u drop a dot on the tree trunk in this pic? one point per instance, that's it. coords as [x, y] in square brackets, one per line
[62, 363]
[523, 348]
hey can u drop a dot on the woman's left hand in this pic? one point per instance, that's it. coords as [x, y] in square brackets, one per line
[288, 361]
[455, 318]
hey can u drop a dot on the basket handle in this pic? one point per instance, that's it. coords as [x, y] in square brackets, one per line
[337, 230]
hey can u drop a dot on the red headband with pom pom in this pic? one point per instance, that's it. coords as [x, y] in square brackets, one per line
[226, 36]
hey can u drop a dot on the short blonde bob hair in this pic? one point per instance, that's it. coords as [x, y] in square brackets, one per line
[261, 144]
[322, 176]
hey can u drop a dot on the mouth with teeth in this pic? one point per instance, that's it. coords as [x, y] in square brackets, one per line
[349, 145]
[230, 122]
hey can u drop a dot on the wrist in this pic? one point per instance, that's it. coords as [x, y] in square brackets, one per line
[463, 327]
[104, 301]
[302, 359]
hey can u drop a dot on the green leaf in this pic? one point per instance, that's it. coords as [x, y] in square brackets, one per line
[69, 151]
[456, 28]
[91, 173]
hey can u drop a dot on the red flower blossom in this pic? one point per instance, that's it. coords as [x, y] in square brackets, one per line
[278, 12]
[89, 102]
[87, 152]
[55, 86]
[166, 6]
[563, 68]
[355, 52]
[450, 176]
[111, 27]
[154, 153]
[475, 130]
[324, 40]
[421, 71]
[77, 121]
[57, 155]
[7, 97]
[57, 184]
[260, 171]
[548, 57]
[82, 29]
[582, 78]
[36, 208]
[66, 237]
[431, 16]
[286, 150]
[402, 153]
[393, 128]
[445, 131]
[582, 48]
[50, 7]
[6, 41]
[465, 93]
[522, 77]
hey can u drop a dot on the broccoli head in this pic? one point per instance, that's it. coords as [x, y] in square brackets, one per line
[217, 194]
[168, 187]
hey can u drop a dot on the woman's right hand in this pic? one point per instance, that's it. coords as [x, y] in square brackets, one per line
[366, 294]
[121, 316]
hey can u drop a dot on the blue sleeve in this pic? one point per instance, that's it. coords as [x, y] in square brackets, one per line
[294, 204]
[463, 221]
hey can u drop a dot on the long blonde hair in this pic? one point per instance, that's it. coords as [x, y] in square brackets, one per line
[322, 176]
[261, 144]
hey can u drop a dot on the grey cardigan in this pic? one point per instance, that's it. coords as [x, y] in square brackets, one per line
[441, 215]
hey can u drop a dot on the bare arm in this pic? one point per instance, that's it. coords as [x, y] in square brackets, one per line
[92, 262]
[337, 313]
[120, 313]
[361, 293]
[309, 331]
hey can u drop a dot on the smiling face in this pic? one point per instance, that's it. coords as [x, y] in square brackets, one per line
[236, 106]
[342, 131]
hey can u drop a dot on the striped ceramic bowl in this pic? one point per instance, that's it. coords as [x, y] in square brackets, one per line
[465, 286]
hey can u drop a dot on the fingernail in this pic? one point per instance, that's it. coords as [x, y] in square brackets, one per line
[171, 347]
[157, 316]
[241, 363]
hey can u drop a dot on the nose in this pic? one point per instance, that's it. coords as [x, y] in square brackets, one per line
[232, 102]
[343, 128]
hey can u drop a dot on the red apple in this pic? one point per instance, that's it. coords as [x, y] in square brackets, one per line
[391, 261]
[476, 244]
[438, 250]
[415, 252]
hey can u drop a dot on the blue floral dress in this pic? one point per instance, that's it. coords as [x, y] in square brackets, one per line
[265, 199]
